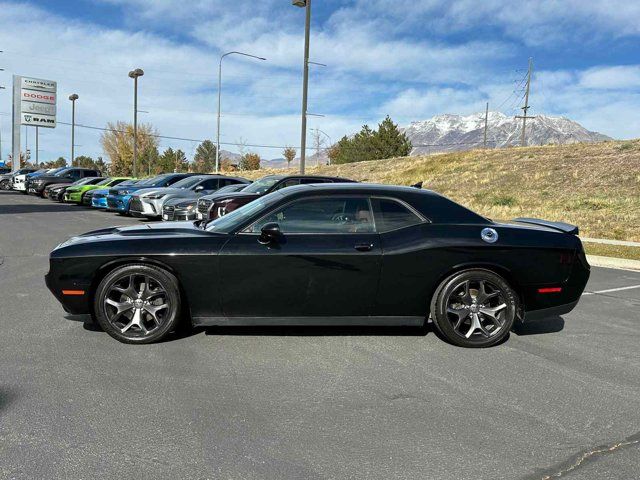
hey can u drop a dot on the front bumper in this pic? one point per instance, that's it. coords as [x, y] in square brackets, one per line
[145, 207]
[73, 197]
[99, 202]
[119, 203]
[178, 215]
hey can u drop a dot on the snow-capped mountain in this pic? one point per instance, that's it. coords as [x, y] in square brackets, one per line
[445, 133]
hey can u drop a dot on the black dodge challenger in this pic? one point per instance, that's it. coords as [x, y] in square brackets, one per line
[332, 254]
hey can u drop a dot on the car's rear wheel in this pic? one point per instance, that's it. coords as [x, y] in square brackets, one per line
[4, 185]
[138, 303]
[474, 308]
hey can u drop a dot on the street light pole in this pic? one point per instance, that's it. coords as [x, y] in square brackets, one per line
[220, 98]
[138, 72]
[73, 99]
[305, 79]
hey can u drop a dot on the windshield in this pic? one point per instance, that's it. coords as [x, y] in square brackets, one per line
[153, 181]
[104, 182]
[187, 182]
[233, 220]
[82, 181]
[236, 187]
[59, 172]
[54, 172]
[128, 182]
[262, 185]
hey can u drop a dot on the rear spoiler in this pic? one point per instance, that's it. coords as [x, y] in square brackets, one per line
[560, 226]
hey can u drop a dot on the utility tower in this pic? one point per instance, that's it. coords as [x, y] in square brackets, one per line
[524, 116]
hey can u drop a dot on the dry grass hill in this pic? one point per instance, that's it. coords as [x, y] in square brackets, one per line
[595, 186]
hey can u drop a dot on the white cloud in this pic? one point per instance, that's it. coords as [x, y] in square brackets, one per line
[611, 78]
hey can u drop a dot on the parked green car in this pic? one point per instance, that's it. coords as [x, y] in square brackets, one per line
[76, 194]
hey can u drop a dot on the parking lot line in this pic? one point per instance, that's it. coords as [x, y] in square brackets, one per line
[609, 290]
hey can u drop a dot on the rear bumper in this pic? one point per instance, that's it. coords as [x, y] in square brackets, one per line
[542, 304]
[549, 312]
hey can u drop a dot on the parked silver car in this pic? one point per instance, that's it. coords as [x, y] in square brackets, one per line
[148, 202]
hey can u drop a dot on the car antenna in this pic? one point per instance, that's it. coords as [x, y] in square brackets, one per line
[417, 185]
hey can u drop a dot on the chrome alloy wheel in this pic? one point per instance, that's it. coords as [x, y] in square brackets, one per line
[136, 304]
[476, 309]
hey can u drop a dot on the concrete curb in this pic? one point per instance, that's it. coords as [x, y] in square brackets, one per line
[622, 243]
[610, 262]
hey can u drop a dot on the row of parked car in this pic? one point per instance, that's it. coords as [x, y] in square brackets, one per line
[169, 197]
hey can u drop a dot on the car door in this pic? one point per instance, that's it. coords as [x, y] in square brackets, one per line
[326, 263]
[408, 263]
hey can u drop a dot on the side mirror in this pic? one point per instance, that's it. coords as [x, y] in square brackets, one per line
[270, 233]
[199, 188]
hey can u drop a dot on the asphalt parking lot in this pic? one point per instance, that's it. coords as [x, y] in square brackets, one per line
[560, 398]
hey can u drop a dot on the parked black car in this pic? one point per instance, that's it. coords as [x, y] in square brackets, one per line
[179, 209]
[36, 185]
[56, 191]
[214, 206]
[341, 254]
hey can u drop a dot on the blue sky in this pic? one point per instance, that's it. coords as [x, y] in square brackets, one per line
[409, 59]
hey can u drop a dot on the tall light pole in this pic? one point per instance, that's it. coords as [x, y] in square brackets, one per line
[73, 99]
[220, 98]
[138, 72]
[305, 78]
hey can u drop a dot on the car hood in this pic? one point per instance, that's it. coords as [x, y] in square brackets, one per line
[181, 200]
[165, 190]
[139, 232]
[230, 196]
[57, 185]
[46, 178]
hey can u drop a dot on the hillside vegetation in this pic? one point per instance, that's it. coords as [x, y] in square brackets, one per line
[595, 186]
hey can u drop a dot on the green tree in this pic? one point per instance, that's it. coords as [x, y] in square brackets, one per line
[172, 161]
[289, 154]
[204, 160]
[250, 161]
[367, 144]
[117, 143]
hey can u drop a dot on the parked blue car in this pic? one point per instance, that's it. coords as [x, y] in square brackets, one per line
[99, 197]
[119, 197]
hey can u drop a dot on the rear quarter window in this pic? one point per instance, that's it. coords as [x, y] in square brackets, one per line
[393, 215]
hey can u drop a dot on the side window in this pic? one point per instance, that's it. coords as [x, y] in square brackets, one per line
[75, 174]
[322, 215]
[116, 182]
[287, 183]
[306, 181]
[392, 215]
[228, 181]
[210, 184]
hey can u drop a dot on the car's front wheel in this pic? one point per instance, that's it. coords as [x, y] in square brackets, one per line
[138, 303]
[474, 308]
[4, 185]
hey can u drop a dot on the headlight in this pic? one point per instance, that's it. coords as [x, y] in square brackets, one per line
[124, 192]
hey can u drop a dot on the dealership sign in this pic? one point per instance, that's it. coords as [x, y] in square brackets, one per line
[36, 101]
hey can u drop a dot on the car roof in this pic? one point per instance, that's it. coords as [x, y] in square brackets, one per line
[355, 187]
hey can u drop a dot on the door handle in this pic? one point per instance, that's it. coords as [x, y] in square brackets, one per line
[364, 247]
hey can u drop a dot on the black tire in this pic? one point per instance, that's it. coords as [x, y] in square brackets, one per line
[132, 320]
[4, 185]
[474, 308]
